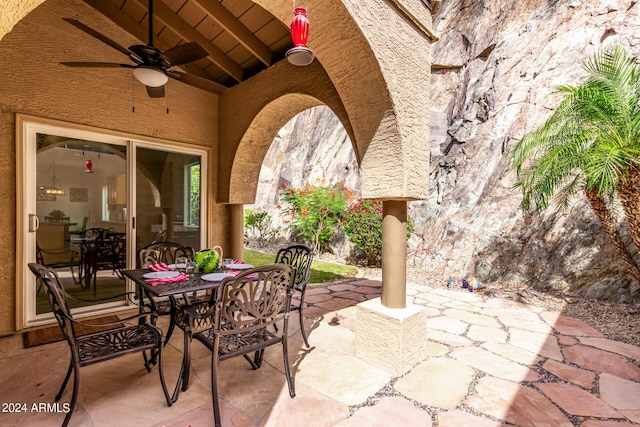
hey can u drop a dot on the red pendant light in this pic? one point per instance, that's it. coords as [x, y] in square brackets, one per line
[300, 27]
[89, 165]
[300, 54]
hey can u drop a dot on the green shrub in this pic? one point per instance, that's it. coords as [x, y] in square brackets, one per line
[259, 226]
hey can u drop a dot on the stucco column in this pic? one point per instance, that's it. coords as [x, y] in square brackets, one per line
[394, 254]
[388, 322]
[236, 231]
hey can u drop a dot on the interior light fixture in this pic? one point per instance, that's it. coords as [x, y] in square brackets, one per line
[150, 76]
[53, 187]
[300, 55]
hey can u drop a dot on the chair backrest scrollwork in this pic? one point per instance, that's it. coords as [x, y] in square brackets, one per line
[300, 258]
[165, 252]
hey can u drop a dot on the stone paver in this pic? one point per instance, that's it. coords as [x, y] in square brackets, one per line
[602, 361]
[513, 353]
[519, 313]
[485, 333]
[390, 411]
[577, 401]
[343, 378]
[440, 382]
[581, 377]
[597, 423]
[514, 403]
[447, 338]
[569, 325]
[566, 340]
[494, 365]
[528, 325]
[621, 348]
[618, 392]
[459, 418]
[435, 349]
[542, 344]
[447, 324]
[472, 318]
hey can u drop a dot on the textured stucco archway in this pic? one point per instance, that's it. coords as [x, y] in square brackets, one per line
[378, 60]
[377, 56]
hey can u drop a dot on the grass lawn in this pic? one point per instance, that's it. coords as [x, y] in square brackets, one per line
[320, 271]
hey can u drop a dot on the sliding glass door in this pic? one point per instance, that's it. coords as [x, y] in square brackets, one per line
[168, 196]
[90, 200]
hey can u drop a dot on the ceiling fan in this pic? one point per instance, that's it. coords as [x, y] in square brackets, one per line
[152, 65]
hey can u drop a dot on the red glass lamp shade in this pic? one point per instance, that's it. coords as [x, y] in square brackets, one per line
[89, 165]
[300, 55]
[300, 27]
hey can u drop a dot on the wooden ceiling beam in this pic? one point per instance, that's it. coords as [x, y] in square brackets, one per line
[141, 32]
[236, 29]
[187, 32]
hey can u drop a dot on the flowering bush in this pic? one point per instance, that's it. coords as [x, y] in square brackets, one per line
[363, 226]
[316, 212]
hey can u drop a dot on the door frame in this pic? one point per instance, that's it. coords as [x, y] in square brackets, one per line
[26, 128]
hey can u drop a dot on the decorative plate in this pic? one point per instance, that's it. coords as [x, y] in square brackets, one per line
[215, 277]
[238, 266]
[160, 274]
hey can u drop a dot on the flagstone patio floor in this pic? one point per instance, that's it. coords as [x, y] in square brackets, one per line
[491, 362]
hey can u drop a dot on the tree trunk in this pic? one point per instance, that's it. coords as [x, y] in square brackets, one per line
[629, 193]
[599, 206]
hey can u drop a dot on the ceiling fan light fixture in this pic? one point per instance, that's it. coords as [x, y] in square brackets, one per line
[150, 76]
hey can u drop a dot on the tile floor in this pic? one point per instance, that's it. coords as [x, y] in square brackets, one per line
[490, 362]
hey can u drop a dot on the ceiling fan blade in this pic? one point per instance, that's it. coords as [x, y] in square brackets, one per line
[98, 35]
[97, 64]
[155, 92]
[184, 53]
[197, 81]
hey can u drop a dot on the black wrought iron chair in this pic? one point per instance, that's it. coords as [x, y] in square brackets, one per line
[300, 258]
[94, 255]
[65, 257]
[238, 320]
[101, 346]
[166, 252]
[115, 252]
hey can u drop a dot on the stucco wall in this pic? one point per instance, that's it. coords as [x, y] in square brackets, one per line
[35, 83]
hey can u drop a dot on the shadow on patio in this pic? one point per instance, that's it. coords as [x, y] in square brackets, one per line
[491, 362]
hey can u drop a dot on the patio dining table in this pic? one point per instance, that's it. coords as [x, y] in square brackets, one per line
[171, 290]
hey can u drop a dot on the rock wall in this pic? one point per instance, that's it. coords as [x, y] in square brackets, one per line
[493, 74]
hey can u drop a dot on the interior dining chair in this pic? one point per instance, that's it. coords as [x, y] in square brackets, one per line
[122, 339]
[300, 258]
[167, 253]
[238, 320]
[160, 237]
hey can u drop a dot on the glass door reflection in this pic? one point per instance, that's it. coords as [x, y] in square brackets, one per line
[168, 194]
[81, 188]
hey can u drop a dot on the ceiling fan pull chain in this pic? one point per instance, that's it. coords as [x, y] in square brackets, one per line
[133, 94]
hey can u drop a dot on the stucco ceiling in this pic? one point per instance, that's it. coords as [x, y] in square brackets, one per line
[241, 38]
